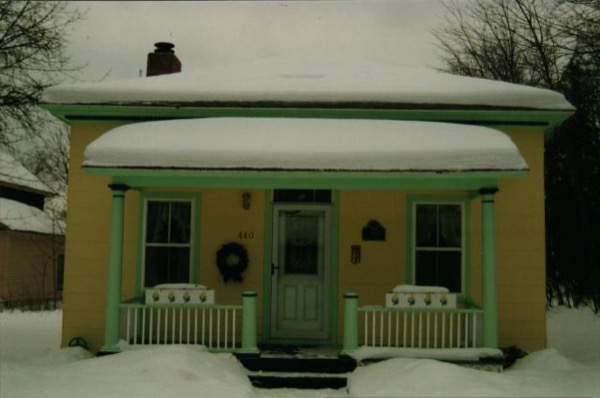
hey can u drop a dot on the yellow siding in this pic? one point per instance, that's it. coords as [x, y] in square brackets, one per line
[86, 250]
[520, 245]
[223, 219]
[382, 264]
[520, 232]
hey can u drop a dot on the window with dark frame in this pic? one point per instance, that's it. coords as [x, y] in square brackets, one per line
[60, 272]
[167, 249]
[302, 196]
[438, 251]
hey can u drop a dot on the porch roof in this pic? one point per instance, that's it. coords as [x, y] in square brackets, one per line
[314, 145]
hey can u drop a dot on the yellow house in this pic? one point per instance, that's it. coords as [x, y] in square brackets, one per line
[320, 202]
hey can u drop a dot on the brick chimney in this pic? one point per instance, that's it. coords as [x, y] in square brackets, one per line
[163, 60]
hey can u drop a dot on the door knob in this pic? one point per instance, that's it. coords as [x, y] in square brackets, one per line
[274, 268]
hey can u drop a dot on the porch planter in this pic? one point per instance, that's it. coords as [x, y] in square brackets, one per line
[179, 294]
[409, 296]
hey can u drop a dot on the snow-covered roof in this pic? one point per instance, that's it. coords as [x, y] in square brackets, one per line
[13, 173]
[17, 216]
[310, 80]
[304, 144]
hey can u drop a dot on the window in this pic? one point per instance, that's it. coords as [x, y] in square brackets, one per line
[167, 248]
[438, 244]
[302, 196]
[60, 272]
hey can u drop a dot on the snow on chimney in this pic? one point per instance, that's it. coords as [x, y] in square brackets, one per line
[163, 60]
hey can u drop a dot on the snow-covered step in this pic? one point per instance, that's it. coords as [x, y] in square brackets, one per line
[296, 371]
[303, 380]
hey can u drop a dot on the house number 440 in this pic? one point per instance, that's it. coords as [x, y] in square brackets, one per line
[246, 235]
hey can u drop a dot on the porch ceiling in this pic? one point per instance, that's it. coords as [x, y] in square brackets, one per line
[326, 147]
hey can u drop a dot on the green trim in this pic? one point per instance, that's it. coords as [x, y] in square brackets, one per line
[140, 178]
[335, 264]
[488, 265]
[195, 198]
[139, 264]
[267, 288]
[249, 315]
[464, 200]
[70, 113]
[112, 327]
[350, 339]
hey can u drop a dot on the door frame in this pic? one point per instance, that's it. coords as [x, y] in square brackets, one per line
[333, 272]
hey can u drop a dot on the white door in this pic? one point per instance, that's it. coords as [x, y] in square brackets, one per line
[300, 272]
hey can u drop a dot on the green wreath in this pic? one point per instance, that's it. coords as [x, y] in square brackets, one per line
[232, 261]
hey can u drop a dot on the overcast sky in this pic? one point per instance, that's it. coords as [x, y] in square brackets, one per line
[114, 39]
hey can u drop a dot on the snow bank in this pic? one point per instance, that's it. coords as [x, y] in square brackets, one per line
[305, 144]
[403, 377]
[31, 365]
[310, 79]
[568, 326]
[165, 371]
[28, 335]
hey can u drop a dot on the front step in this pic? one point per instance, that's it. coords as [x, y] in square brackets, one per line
[287, 371]
[295, 380]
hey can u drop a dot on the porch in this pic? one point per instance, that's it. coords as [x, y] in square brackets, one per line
[232, 328]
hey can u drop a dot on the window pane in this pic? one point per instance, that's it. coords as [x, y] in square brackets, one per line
[449, 270]
[426, 225]
[439, 269]
[157, 222]
[60, 271]
[302, 196]
[450, 226]
[167, 265]
[180, 222]
[301, 243]
[426, 268]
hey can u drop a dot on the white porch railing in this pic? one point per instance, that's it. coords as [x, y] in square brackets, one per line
[218, 327]
[419, 327]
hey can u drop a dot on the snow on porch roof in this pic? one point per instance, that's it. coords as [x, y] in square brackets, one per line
[309, 79]
[304, 144]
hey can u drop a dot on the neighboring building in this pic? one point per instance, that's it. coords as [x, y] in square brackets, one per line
[31, 242]
[312, 183]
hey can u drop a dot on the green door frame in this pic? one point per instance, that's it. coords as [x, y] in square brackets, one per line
[333, 279]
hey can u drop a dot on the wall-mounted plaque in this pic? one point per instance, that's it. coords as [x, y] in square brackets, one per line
[373, 231]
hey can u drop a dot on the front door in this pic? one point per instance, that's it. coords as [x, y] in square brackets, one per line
[300, 301]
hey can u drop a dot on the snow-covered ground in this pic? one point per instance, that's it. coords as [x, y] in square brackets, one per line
[32, 365]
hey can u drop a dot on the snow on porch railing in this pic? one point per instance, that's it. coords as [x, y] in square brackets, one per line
[218, 327]
[419, 327]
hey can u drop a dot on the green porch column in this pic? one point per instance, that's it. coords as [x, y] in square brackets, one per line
[350, 342]
[249, 345]
[488, 263]
[115, 270]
